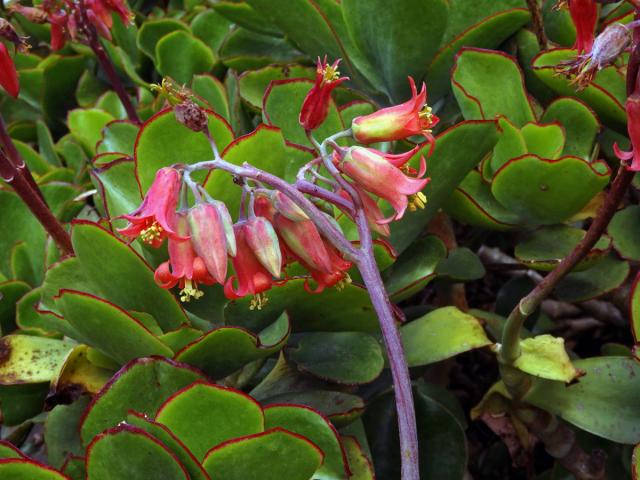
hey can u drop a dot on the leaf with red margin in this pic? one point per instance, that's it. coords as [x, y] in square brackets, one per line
[489, 33]
[272, 455]
[119, 190]
[457, 150]
[548, 191]
[544, 139]
[224, 350]
[606, 94]
[142, 385]
[25, 469]
[163, 141]
[8, 450]
[580, 123]
[359, 463]
[118, 136]
[348, 358]
[264, 148]
[312, 425]
[488, 83]
[162, 433]
[281, 107]
[204, 415]
[108, 328]
[121, 276]
[253, 83]
[129, 452]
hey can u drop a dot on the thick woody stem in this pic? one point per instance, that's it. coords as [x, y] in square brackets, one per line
[538, 25]
[560, 442]
[40, 210]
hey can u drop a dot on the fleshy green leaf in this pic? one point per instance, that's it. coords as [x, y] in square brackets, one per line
[28, 359]
[544, 356]
[180, 56]
[624, 230]
[603, 402]
[441, 334]
[203, 416]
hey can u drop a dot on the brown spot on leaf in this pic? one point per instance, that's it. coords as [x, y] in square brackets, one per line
[5, 350]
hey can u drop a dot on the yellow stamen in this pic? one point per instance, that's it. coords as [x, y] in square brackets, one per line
[190, 291]
[426, 114]
[151, 234]
[330, 74]
[258, 301]
[342, 284]
[417, 201]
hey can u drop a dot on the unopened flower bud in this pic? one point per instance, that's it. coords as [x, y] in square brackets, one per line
[208, 239]
[263, 241]
[191, 116]
[287, 207]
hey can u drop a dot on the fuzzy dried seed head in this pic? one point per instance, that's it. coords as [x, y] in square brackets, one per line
[191, 116]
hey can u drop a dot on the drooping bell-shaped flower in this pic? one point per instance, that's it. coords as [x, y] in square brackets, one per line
[152, 221]
[59, 22]
[337, 276]
[381, 175]
[287, 207]
[413, 117]
[120, 8]
[251, 276]
[263, 240]
[584, 14]
[184, 267]
[316, 104]
[208, 225]
[633, 126]
[375, 217]
[304, 241]
[8, 74]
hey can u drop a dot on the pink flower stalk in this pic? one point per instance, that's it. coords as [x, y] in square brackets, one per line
[414, 117]
[584, 14]
[252, 278]
[316, 104]
[8, 74]
[208, 225]
[184, 267]
[153, 220]
[633, 126]
[380, 174]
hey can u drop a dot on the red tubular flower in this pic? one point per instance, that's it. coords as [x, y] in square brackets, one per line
[58, 23]
[184, 268]
[209, 239]
[375, 218]
[8, 73]
[316, 104]
[152, 221]
[633, 126]
[414, 117]
[584, 14]
[380, 174]
[337, 276]
[304, 242]
[252, 277]
[121, 9]
[100, 17]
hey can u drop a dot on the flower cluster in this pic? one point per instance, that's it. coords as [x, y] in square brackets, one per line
[8, 74]
[201, 239]
[273, 231]
[68, 18]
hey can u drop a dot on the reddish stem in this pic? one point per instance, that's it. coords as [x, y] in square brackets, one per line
[38, 207]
